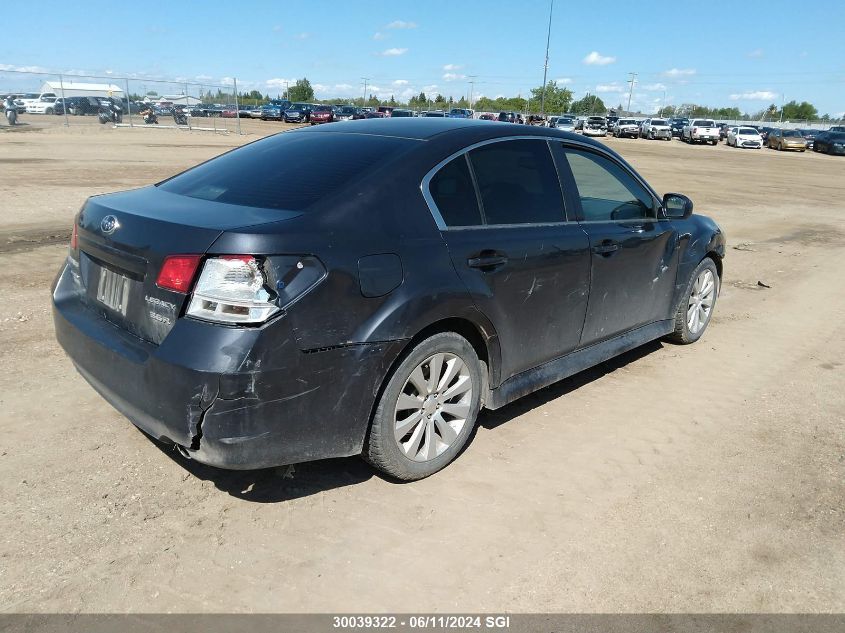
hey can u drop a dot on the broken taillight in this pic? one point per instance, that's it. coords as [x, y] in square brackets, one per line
[232, 289]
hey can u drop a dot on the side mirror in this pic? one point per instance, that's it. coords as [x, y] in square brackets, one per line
[676, 206]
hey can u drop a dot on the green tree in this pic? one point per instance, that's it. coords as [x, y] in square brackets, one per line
[301, 90]
[440, 99]
[590, 104]
[557, 100]
[422, 98]
[794, 111]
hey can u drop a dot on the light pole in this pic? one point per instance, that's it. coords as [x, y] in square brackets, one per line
[632, 81]
[546, 65]
[471, 88]
[366, 79]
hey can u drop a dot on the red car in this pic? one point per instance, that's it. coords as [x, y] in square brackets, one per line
[229, 112]
[323, 114]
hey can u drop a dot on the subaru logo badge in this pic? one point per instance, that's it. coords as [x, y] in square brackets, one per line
[109, 225]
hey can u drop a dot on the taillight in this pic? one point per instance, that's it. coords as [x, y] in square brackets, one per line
[232, 289]
[74, 237]
[177, 272]
[695, 130]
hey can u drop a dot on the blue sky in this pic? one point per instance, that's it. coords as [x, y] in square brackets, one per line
[750, 54]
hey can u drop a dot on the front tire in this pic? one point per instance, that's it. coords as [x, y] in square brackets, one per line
[427, 409]
[696, 307]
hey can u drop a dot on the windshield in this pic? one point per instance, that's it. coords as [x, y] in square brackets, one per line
[748, 130]
[298, 106]
[323, 109]
[400, 113]
[627, 122]
[658, 122]
[791, 133]
[348, 110]
[289, 171]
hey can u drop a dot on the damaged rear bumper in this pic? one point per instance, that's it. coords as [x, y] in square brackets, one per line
[236, 398]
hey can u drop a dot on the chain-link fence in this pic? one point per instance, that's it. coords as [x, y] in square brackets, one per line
[48, 100]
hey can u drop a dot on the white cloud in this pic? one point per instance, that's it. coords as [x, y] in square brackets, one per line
[401, 24]
[614, 87]
[320, 87]
[657, 86]
[393, 52]
[596, 59]
[451, 67]
[453, 76]
[430, 88]
[278, 82]
[23, 69]
[679, 72]
[400, 82]
[564, 81]
[227, 81]
[302, 36]
[757, 95]
[378, 35]
[343, 87]
[756, 53]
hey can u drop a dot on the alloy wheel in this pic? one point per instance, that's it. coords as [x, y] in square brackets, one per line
[701, 301]
[433, 407]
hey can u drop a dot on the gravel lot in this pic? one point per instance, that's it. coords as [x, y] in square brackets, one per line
[673, 479]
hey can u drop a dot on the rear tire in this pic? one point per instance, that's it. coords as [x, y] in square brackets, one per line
[697, 303]
[409, 436]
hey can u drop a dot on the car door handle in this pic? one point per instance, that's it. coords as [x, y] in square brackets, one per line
[606, 248]
[487, 261]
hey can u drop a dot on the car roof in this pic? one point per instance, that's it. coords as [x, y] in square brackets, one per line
[454, 132]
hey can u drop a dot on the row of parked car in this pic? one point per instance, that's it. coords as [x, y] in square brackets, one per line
[706, 131]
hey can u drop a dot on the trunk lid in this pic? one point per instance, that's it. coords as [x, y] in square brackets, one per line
[124, 239]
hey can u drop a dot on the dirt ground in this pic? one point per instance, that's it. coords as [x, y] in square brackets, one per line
[674, 479]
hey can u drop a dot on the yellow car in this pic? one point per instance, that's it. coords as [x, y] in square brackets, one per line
[786, 139]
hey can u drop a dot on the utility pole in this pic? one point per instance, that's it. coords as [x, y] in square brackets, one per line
[631, 81]
[546, 65]
[287, 90]
[472, 79]
[366, 79]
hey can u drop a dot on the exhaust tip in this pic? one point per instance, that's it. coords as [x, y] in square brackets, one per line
[183, 451]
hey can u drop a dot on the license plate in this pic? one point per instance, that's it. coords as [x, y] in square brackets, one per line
[113, 290]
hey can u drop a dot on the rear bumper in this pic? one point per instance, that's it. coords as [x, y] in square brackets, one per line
[236, 398]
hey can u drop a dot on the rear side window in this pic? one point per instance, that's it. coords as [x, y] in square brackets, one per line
[608, 192]
[453, 193]
[518, 183]
[290, 171]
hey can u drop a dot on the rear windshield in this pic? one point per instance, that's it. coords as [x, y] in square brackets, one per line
[288, 171]
[704, 123]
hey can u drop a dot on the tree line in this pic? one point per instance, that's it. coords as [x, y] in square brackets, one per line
[554, 100]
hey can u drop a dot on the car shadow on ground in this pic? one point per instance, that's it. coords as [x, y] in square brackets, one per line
[285, 483]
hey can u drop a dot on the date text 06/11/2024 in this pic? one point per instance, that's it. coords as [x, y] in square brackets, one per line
[422, 622]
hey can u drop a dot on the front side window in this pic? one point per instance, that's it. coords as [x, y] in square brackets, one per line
[518, 182]
[608, 192]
